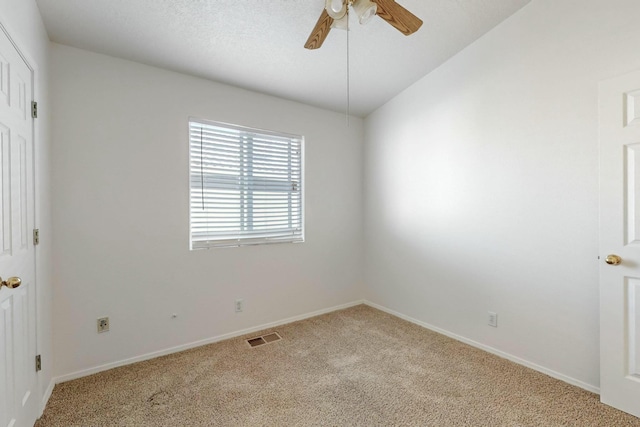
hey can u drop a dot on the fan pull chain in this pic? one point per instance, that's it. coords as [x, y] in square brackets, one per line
[348, 80]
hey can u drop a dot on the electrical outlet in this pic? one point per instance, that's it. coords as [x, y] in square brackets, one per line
[239, 305]
[493, 319]
[103, 324]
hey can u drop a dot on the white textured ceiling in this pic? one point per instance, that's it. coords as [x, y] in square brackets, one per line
[258, 44]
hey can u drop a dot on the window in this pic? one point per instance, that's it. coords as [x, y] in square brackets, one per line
[245, 186]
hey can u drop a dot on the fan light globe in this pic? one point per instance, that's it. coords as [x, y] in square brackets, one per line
[336, 5]
[336, 8]
[365, 9]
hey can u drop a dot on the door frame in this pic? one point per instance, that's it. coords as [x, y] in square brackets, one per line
[36, 130]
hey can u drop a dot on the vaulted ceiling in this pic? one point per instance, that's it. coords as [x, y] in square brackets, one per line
[258, 44]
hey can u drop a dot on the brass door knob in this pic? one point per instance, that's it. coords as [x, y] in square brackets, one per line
[11, 282]
[613, 259]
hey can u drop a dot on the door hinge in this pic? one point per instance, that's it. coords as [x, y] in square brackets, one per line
[36, 236]
[38, 363]
[34, 109]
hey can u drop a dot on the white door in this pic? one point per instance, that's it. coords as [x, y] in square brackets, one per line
[619, 104]
[18, 406]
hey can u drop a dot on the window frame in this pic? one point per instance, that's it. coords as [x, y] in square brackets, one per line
[239, 240]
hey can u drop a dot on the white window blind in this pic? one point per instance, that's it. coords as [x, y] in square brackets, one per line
[245, 186]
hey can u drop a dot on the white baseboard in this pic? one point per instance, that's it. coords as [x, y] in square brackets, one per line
[46, 396]
[491, 350]
[523, 362]
[107, 366]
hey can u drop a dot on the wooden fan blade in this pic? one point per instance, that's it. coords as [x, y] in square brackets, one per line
[396, 15]
[320, 31]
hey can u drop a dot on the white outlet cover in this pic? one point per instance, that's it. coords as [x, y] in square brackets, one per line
[103, 324]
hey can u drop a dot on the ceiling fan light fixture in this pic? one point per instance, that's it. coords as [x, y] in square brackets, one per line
[342, 23]
[365, 10]
[336, 9]
[390, 11]
[337, 5]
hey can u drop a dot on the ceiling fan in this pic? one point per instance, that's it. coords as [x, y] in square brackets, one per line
[335, 15]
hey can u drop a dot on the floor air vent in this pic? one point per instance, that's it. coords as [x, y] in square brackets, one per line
[265, 339]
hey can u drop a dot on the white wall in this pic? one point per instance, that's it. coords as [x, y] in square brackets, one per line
[22, 20]
[121, 221]
[481, 185]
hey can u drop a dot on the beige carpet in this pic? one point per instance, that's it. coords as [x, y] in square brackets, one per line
[355, 367]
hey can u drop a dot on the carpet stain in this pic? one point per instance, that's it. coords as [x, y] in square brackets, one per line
[159, 398]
